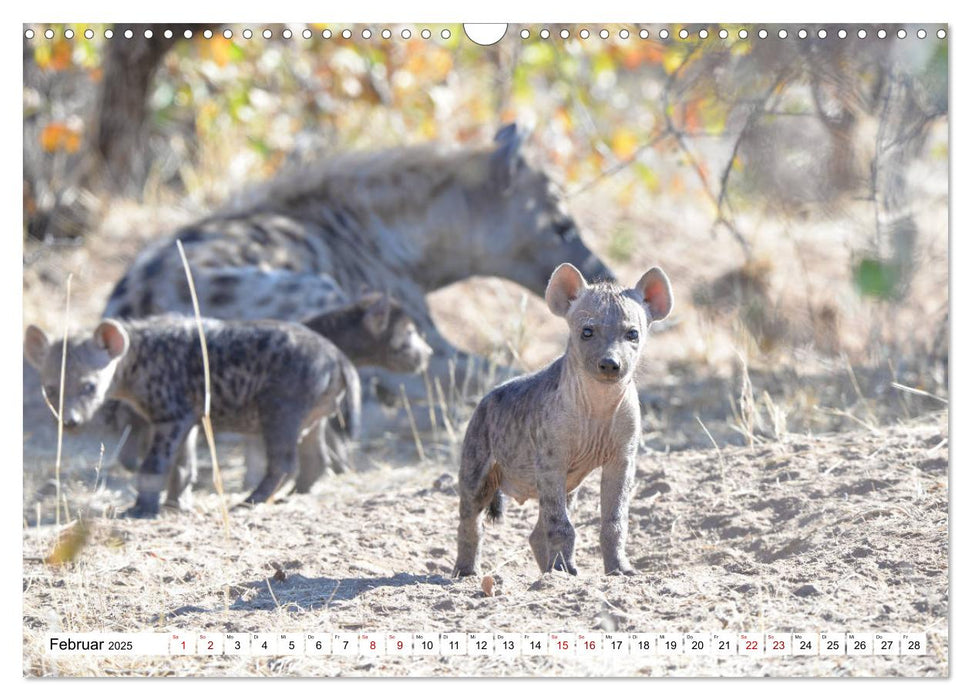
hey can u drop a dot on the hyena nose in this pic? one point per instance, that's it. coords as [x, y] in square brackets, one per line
[609, 366]
[71, 421]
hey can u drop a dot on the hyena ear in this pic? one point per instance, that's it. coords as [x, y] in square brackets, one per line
[565, 286]
[654, 290]
[36, 346]
[505, 160]
[377, 315]
[111, 337]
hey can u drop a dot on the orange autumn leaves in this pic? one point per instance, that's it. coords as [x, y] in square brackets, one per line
[61, 136]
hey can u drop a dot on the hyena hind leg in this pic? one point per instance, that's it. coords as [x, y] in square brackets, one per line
[183, 475]
[472, 502]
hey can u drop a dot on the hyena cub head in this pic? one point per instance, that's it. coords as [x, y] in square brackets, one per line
[608, 324]
[375, 331]
[89, 368]
[396, 341]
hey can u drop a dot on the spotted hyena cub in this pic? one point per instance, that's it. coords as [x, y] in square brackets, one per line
[272, 378]
[539, 435]
[373, 331]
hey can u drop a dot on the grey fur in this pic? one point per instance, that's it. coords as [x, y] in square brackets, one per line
[374, 331]
[272, 378]
[540, 435]
[407, 221]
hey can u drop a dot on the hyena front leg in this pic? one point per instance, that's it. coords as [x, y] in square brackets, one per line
[553, 539]
[615, 486]
[167, 439]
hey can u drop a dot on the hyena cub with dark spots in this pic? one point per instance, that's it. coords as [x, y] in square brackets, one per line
[374, 331]
[272, 378]
[540, 435]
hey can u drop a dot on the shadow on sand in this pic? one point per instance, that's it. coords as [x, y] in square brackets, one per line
[312, 593]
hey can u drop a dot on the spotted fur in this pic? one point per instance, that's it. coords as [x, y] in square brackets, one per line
[272, 378]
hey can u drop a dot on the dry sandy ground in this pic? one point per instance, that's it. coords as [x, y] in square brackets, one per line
[844, 532]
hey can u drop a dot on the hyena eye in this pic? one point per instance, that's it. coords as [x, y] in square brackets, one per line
[87, 389]
[632, 335]
[586, 333]
[51, 392]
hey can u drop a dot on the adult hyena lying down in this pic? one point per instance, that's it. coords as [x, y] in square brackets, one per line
[540, 435]
[274, 378]
[408, 221]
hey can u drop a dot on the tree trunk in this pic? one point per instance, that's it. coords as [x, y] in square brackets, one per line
[120, 136]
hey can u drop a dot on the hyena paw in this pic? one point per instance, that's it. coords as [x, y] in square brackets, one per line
[463, 571]
[562, 565]
[140, 511]
[626, 570]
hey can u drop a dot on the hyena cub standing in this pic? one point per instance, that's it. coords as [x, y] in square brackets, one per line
[539, 435]
[274, 378]
[373, 331]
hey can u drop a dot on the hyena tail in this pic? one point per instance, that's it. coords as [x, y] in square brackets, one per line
[351, 410]
[497, 505]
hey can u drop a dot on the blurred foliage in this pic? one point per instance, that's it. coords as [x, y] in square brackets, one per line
[876, 278]
[720, 123]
